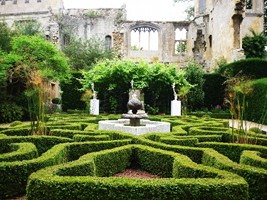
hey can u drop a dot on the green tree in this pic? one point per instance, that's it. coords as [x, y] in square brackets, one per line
[112, 81]
[27, 27]
[82, 55]
[34, 61]
[5, 37]
[254, 46]
[190, 10]
[194, 74]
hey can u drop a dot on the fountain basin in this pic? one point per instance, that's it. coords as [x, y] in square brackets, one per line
[146, 126]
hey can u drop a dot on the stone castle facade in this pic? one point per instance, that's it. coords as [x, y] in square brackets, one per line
[215, 33]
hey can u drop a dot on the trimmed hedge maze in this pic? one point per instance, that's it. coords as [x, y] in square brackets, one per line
[76, 161]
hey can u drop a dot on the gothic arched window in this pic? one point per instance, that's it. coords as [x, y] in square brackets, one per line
[144, 37]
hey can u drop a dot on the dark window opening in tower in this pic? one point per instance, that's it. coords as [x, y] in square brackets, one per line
[108, 42]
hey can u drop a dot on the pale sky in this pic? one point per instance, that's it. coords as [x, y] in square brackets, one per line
[150, 10]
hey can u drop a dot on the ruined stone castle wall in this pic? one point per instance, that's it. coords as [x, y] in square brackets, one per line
[166, 41]
[94, 22]
[218, 28]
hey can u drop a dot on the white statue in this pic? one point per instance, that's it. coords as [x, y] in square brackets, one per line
[174, 92]
[94, 103]
[93, 89]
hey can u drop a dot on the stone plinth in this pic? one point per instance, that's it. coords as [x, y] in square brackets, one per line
[176, 108]
[135, 118]
[147, 126]
[94, 107]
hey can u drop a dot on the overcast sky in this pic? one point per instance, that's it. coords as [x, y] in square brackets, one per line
[151, 10]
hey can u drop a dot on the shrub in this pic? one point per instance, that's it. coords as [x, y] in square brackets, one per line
[71, 96]
[252, 67]
[225, 186]
[14, 175]
[19, 152]
[257, 102]
[253, 158]
[10, 112]
[255, 177]
[15, 123]
[214, 90]
[194, 75]
[112, 79]
[254, 46]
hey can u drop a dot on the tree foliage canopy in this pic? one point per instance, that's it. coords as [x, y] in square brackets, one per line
[82, 55]
[35, 53]
[5, 37]
[254, 46]
[112, 81]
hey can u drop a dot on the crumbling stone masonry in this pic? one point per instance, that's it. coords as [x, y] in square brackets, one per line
[215, 33]
[218, 28]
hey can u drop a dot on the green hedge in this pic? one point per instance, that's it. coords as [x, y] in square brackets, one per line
[251, 67]
[214, 89]
[71, 97]
[257, 102]
[255, 177]
[205, 130]
[253, 158]
[202, 138]
[232, 150]
[17, 131]
[216, 184]
[19, 151]
[82, 138]
[114, 135]
[180, 141]
[14, 175]
[10, 112]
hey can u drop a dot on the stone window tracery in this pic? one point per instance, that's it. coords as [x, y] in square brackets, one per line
[144, 38]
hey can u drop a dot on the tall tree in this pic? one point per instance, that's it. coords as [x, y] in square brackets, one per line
[83, 54]
[5, 37]
[27, 27]
[32, 61]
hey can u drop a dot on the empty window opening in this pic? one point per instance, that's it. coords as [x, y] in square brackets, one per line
[66, 39]
[108, 44]
[210, 41]
[144, 38]
[3, 2]
[237, 20]
[249, 4]
[180, 41]
[202, 6]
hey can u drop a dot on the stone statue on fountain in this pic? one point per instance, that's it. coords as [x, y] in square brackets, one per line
[134, 104]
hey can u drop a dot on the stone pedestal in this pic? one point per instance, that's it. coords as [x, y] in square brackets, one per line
[123, 125]
[94, 107]
[176, 108]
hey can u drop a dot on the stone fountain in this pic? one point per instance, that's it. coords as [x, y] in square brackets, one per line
[134, 121]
